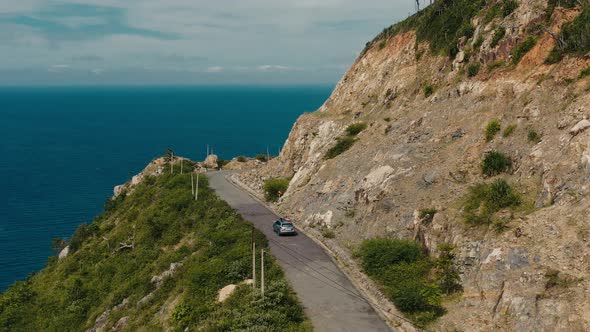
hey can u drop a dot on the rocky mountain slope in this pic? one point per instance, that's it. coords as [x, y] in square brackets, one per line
[439, 92]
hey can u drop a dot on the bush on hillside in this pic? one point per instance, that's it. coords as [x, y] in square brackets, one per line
[523, 48]
[575, 35]
[447, 274]
[342, 145]
[533, 136]
[379, 254]
[272, 188]
[473, 69]
[493, 127]
[356, 128]
[262, 157]
[495, 163]
[241, 159]
[499, 34]
[403, 271]
[428, 90]
[485, 199]
[509, 130]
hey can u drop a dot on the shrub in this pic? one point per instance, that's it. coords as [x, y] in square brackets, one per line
[428, 90]
[447, 274]
[495, 163]
[272, 188]
[499, 34]
[262, 157]
[382, 44]
[484, 200]
[473, 69]
[401, 268]
[523, 48]
[575, 36]
[478, 42]
[492, 129]
[533, 136]
[496, 64]
[356, 128]
[509, 130]
[328, 233]
[388, 119]
[585, 72]
[509, 7]
[241, 159]
[379, 254]
[427, 214]
[341, 146]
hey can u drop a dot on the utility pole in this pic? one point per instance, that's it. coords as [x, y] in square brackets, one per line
[262, 272]
[192, 184]
[172, 163]
[181, 160]
[197, 190]
[253, 259]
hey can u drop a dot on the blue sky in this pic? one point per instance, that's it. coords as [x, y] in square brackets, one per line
[72, 42]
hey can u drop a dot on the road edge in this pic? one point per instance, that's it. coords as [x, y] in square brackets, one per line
[393, 321]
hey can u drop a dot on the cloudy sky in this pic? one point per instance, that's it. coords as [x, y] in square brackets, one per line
[70, 42]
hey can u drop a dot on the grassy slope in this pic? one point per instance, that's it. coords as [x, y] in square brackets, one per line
[168, 226]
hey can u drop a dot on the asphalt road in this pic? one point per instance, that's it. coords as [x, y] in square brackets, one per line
[328, 297]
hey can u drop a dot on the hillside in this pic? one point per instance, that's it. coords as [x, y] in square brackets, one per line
[155, 260]
[463, 128]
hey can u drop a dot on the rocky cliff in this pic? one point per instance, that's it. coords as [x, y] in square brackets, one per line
[429, 104]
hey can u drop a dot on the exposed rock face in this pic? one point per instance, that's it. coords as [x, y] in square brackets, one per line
[422, 152]
[155, 168]
[64, 253]
[211, 161]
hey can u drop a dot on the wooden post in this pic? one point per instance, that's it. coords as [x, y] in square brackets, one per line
[253, 259]
[181, 160]
[192, 184]
[262, 272]
[197, 189]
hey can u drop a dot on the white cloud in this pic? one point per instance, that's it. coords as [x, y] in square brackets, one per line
[215, 69]
[231, 36]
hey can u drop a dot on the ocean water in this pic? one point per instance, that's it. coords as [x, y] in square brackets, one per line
[62, 150]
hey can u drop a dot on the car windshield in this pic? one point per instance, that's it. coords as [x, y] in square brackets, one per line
[287, 224]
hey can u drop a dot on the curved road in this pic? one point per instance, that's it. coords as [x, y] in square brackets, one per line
[328, 297]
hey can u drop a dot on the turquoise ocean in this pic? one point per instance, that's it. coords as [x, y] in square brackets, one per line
[62, 150]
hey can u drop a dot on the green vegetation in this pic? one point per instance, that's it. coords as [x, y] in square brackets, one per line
[388, 119]
[346, 142]
[508, 7]
[262, 157]
[552, 4]
[509, 130]
[356, 128]
[427, 214]
[473, 69]
[241, 159]
[523, 48]
[328, 233]
[382, 44]
[496, 64]
[160, 223]
[495, 163]
[584, 73]
[441, 25]
[499, 34]
[533, 136]
[574, 37]
[447, 274]
[405, 274]
[273, 187]
[428, 90]
[485, 199]
[492, 129]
